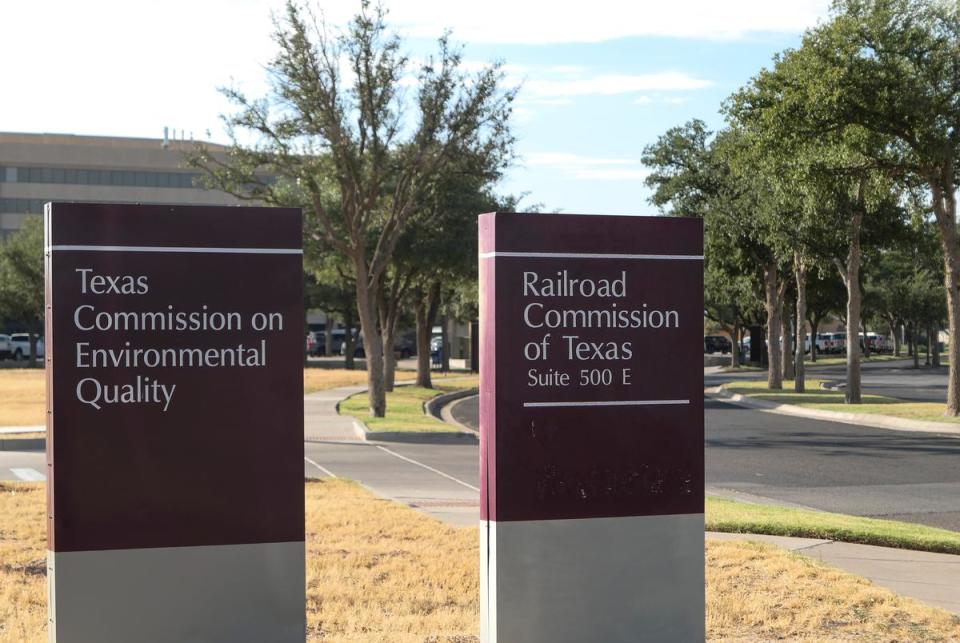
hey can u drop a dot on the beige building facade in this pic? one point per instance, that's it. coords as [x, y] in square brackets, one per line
[36, 168]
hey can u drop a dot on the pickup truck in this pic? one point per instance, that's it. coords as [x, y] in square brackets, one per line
[20, 346]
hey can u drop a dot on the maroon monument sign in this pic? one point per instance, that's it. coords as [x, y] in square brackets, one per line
[175, 423]
[591, 419]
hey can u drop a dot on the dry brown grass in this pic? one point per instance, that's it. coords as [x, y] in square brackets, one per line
[22, 393]
[378, 571]
[23, 564]
[758, 592]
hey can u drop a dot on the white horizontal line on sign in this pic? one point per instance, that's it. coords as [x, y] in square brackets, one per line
[243, 251]
[587, 255]
[31, 475]
[608, 403]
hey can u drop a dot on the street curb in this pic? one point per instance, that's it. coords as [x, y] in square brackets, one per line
[861, 419]
[467, 436]
[438, 406]
[31, 444]
[446, 414]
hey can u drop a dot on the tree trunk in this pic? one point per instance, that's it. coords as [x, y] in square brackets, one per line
[935, 347]
[423, 345]
[328, 336]
[349, 341]
[735, 345]
[814, 328]
[774, 368]
[945, 208]
[445, 345]
[915, 337]
[850, 273]
[389, 358]
[426, 313]
[786, 352]
[895, 327]
[866, 343]
[372, 343]
[800, 272]
[926, 361]
[389, 299]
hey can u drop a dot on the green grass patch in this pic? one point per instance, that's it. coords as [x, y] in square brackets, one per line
[749, 518]
[838, 360]
[816, 397]
[405, 407]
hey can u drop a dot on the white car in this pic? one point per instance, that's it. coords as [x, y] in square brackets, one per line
[5, 346]
[20, 346]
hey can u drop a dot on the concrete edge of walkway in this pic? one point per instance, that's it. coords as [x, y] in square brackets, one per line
[862, 419]
[464, 434]
[441, 407]
[29, 444]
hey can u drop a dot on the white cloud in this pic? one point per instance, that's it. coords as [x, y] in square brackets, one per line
[567, 69]
[610, 84]
[575, 166]
[642, 100]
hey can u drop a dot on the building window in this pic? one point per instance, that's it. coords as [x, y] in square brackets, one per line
[79, 176]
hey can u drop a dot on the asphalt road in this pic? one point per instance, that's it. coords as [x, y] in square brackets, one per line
[440, 479]
[844, 468]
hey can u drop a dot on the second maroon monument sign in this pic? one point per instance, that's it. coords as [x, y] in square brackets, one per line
[591, 418]
[175, 423]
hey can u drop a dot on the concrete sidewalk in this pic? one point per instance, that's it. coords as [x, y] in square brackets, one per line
[321, 420]
[931, 578]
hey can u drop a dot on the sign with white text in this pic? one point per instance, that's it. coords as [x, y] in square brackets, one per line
[175, 425]
[591, 418]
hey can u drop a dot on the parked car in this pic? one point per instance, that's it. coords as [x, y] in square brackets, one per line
[839, 343]
[877, 343]
[5, 346]
[336, 344]
[20, 346]
[824, 343]
[716, 344]
[401, 349]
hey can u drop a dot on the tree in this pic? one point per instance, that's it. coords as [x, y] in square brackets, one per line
[834, 168]
[436, 252]
[21, 279]
[439, 253]
[351, 145]
[695, 174]
[892, 67]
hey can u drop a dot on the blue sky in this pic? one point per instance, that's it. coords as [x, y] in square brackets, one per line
[599, 81]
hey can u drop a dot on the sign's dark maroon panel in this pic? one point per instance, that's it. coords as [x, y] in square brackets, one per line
[176, 382]
[592, 405]
[102, 224]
